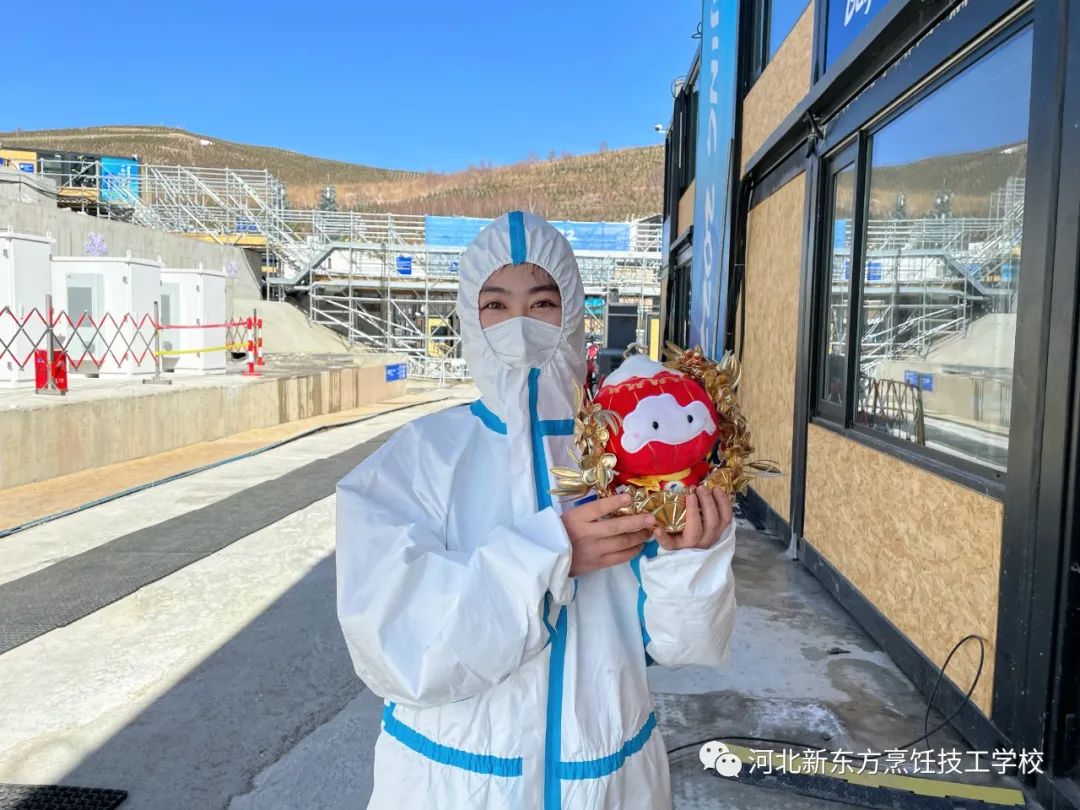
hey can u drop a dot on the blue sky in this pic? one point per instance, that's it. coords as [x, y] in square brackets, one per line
[414, 85]
[983, 107]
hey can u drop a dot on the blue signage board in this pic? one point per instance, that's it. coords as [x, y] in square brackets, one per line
[403, 264]
[396, 371]
[713, 181]
[460, 231]
[26, 167]
[244, 226]
[846, 20]
[873, 270]
[839, 234]
[921, 379]
[119, 179]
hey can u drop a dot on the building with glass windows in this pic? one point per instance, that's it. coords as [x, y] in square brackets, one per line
[875, 205]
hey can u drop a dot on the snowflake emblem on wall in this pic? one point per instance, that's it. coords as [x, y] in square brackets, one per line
[231, 269]
[95, 245]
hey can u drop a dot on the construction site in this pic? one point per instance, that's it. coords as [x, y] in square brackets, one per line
[384, 282]
[863, 215]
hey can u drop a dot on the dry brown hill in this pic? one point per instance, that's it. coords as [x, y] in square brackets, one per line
[607, 185]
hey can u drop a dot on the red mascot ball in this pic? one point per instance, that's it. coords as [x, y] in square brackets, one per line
[669, 425]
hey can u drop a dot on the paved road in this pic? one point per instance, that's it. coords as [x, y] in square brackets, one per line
[224, 682]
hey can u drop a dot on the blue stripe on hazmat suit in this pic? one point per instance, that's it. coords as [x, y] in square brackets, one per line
[508, 683]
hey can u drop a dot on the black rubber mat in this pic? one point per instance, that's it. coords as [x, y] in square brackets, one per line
[58, 797]
[72, 588]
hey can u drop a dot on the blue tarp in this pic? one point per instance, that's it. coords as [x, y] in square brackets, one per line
[460, 231]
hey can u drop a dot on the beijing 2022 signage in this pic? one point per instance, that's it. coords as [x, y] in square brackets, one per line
[713, 175]
[847, 19]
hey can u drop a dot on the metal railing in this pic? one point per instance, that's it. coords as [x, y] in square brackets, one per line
[892, 406]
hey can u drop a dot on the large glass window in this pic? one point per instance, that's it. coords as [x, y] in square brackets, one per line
[940, 253]
[774, 21]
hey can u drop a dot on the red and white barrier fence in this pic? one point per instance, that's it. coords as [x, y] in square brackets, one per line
[44, 344]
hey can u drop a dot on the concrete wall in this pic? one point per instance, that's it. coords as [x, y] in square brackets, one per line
[60, 437]
[71, 229]
[984, 402]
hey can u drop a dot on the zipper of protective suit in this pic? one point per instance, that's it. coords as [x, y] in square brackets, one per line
[556, 661]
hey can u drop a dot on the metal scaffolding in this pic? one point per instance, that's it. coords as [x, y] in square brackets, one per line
[925, 279]
[401, 297]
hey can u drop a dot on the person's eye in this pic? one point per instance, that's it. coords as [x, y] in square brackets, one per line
[493, 305]
[546, 302]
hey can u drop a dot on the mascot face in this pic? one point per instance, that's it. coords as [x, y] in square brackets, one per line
[669, 425]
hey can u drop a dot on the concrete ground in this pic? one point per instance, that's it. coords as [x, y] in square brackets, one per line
[227, 685]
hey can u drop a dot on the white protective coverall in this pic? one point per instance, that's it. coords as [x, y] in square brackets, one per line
[508, 683]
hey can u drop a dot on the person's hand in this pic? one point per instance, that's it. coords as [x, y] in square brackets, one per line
[598, 541]
[708, 514]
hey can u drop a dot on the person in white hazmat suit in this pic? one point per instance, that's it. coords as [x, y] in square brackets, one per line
[509, 632]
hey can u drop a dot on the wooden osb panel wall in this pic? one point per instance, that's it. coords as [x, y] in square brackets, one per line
[771, 298]
[684, 217]
[925, 551]
[780, 87]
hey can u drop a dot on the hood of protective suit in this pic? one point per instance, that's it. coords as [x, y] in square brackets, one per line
[527, 371]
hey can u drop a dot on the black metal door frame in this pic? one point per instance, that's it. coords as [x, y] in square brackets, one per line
[1035, 683]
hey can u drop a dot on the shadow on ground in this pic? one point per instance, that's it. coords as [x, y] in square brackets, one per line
[275, 718]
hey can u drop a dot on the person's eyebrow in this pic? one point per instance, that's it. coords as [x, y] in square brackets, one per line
[496, 290]
[552, 287]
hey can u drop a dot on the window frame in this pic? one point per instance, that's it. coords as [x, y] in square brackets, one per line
[761, 11]
[979, 476]
[847, 156]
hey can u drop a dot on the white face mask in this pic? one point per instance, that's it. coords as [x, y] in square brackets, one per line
[523, 342]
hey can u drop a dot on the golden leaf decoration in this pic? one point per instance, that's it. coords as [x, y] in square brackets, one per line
[594, 468]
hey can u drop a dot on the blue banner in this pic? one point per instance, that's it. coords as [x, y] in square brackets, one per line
[595, 235]
[847, 19]
[397, 371]
[460, 231]
[452, 231]
[119, 179]
[715, 139]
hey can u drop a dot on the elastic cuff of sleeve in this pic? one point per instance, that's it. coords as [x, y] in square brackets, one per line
[726, 535]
